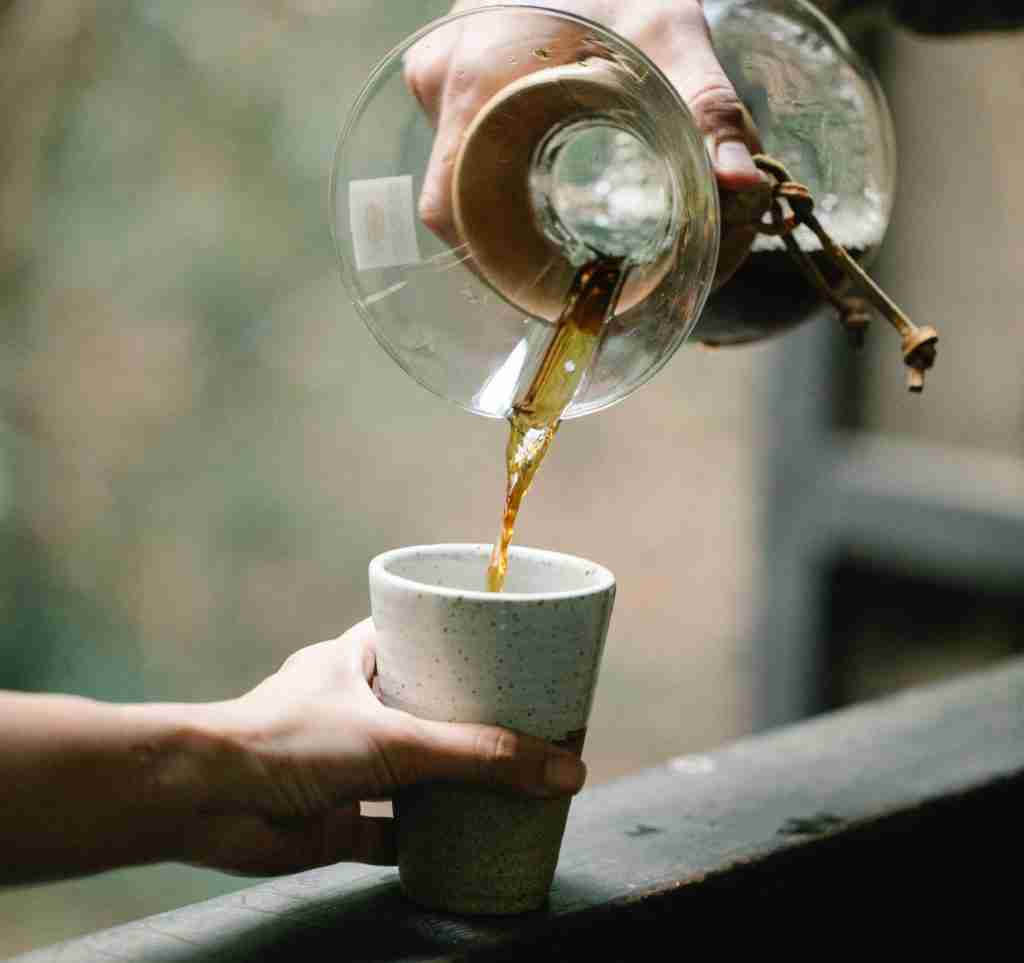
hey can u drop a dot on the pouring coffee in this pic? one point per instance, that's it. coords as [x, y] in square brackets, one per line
[588, 225]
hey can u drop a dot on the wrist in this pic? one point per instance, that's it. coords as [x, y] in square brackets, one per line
[87, 786]
[189, 766]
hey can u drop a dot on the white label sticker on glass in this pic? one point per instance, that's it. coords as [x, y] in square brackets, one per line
[382, 218]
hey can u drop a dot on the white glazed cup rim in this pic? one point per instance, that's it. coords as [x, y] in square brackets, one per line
[601, 578]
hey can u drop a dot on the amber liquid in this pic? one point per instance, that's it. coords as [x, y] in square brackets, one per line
[535, 419]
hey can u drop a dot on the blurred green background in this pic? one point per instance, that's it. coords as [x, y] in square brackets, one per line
[201, 447]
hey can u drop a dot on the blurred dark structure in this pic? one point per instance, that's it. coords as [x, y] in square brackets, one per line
[894, 531]
[887, 562]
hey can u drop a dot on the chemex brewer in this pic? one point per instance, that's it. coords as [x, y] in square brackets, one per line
[589, 230]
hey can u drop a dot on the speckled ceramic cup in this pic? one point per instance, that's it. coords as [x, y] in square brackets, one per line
[526, 658]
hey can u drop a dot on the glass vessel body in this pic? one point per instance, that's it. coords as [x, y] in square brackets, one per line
[820, 110]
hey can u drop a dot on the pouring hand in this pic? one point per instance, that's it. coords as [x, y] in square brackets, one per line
[460, 69]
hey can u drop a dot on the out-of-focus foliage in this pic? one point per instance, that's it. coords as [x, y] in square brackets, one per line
[169, 305]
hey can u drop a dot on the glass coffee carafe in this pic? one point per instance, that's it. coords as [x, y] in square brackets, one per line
[587, 155]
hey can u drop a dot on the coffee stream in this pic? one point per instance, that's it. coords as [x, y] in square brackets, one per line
[767, 294]
[535, 419]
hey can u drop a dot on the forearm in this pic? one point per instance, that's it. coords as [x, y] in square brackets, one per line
[87, 786]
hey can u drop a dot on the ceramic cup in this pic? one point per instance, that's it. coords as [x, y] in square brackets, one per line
[526, 658]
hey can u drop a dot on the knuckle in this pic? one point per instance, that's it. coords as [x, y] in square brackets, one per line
[717, 108]
[719, 111]
[496, 749]
[434, 215]
[425, 75]
[396, 759]
[424, 78]
[318, 654]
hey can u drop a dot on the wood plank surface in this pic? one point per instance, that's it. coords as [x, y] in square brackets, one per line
[917, 791]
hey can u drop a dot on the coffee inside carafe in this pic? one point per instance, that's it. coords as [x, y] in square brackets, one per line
[770, 293]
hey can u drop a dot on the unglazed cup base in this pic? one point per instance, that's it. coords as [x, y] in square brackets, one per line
[478, 852]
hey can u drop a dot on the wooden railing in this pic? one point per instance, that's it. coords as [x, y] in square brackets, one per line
[873, 809]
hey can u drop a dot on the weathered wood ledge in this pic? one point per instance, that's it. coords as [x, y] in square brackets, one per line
[846, 813]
